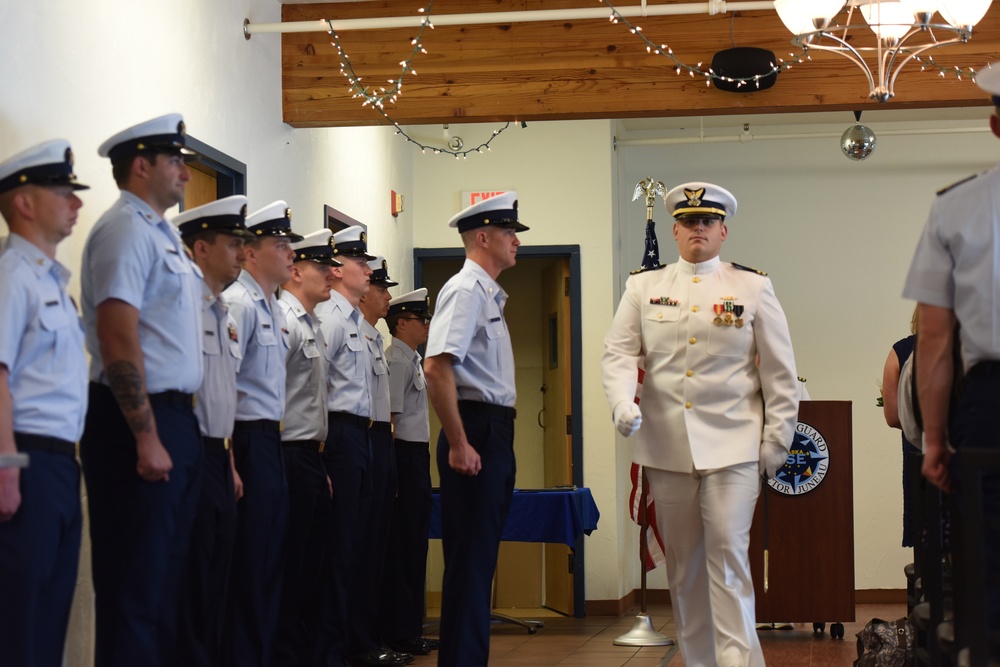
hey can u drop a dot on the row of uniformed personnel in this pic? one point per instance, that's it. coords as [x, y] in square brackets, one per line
[287, 410]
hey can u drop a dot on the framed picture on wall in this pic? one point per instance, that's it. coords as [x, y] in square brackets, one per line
[337, 221]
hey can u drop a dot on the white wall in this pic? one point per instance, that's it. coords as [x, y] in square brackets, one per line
[85, 70]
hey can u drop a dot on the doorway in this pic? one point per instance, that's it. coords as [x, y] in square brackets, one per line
[543, 315]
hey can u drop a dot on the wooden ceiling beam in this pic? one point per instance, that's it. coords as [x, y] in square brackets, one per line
[581, 69]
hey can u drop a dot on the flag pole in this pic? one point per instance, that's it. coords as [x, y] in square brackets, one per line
[643, 633]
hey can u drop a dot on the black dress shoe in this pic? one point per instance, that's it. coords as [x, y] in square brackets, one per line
[432, 644]
[414, 645]
[402, 656]
[377, 658]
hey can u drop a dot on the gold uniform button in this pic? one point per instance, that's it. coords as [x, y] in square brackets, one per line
[696, 279]
[659, 316]
[692, 340]
[688, 405]
[694, 309]
[689, 373]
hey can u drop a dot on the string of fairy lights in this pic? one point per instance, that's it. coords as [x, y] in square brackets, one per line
[378, 96]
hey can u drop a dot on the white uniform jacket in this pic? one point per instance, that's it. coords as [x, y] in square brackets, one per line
[704, 403]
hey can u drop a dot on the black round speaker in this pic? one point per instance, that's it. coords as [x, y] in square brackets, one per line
[744, 62]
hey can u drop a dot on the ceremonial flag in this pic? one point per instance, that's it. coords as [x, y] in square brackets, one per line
[654, 543]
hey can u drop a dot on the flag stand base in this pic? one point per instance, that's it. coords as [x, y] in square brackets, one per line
[643, 634]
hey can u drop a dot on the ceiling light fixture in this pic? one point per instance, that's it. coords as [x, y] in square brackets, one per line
[902, 31]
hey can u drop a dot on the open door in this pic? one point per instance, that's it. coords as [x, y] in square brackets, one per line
[202, 188]
[556, 421]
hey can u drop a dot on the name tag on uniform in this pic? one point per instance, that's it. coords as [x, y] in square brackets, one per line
[51, 303]
[494, 319]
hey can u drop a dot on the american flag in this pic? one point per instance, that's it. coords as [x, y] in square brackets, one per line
[654, 543]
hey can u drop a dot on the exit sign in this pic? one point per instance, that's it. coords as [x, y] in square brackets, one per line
[474, 197]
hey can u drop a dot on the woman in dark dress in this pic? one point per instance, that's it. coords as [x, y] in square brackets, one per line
[900, 352]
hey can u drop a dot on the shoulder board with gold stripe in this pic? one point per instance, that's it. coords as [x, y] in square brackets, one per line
[747, 268]
[801, 379]
[955, 185]
[655, 268]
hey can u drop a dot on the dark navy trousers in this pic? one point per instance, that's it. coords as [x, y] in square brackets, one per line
[305, 550]
[365, 591]
[405, 571]
[974, 424]
[473, 514]
[257, 569]
[348, 461]
[139, 530]
[39, 557]
[206, 578]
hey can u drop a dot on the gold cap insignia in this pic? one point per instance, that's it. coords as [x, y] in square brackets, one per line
[694, 196]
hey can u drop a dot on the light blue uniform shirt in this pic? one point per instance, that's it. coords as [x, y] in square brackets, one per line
[41, 343]
[957, 263]
[469, 325]
[260, 383]
[305, 408]
[220, 348]
[135, 256]
[378, 373]
[347, 380]
[407, 393]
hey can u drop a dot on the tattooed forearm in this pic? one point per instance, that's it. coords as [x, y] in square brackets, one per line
[127, 387]
[141, 422]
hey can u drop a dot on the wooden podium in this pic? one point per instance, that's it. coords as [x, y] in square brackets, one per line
[807, 528]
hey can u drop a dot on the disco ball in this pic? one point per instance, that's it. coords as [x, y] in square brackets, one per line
[858, 141]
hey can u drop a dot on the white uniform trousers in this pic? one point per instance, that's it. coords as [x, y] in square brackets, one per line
[704, 518]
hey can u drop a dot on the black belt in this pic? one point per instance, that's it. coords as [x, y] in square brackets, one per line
[410, 443]
[490, 409]
[382, 427]
[311, 445]
[348, 418]
[268, 425]
[173, 397]
[45, 444]
[217, 443]
[985, 369]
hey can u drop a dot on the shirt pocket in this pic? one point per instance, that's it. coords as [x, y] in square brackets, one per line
[55, 321]
[356, 350]
[210, 343]
[496, 333]
[175, 263]
[729, 341]
[310, 350]
[660, 326]
[266, 338]
[418, 381]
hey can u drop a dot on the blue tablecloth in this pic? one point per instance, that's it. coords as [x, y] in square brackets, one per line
[541, 516]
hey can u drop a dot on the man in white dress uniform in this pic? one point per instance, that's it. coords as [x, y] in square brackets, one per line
[714, 422]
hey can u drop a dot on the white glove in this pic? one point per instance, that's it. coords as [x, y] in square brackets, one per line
[627, 417]
[772, 457]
